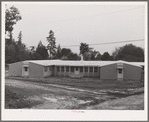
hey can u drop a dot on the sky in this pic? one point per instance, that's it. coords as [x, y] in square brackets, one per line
[73, 23]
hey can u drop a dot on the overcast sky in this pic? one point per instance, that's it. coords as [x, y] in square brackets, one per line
[81, 22]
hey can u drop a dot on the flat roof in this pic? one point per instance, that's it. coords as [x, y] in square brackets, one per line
[81, 63]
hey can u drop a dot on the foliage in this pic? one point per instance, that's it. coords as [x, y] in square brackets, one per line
[106, 57]
[59, 50]
[12, 16]
[42, 51]
[51, 44]
[129, 53]
[72, 56]
[64, 58]
[83, 48]
[98, 56]
[20, 38]
[65, 51]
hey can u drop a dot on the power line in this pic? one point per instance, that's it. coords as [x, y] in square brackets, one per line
[82, 17]
[106, 43]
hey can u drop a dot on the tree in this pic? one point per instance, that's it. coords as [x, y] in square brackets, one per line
[106, 56]
[65, 51]
[41, 50]
[129, 53]
[20, 38]
[72, 56]
[12, 16]
[59, 52]
[51, 44]
[83, 48]
[98, 56]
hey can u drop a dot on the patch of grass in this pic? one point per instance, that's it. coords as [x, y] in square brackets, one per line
[87, 83]
[15, 101]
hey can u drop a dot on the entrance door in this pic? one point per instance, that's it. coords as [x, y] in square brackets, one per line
[77, 71]
[25, 71]
[120, 73]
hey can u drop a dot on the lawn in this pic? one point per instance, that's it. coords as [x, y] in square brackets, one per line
[87, 83]
[69, 93]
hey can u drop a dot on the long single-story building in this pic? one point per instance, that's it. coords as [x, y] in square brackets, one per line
[101, 69]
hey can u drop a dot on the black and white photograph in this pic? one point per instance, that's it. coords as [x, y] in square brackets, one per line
[74, 60]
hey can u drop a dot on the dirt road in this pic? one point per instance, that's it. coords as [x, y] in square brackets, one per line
[51, 96]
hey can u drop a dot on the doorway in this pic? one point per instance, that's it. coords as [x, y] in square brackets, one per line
[120, 73]
[25, 71]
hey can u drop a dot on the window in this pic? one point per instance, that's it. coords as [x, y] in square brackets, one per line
[91, 69]
[120, 71]
[95, 69]
[58, 68]
[62, 69]
[81, 69]
[67, 69]
[72, 69]
[86, 69]
[25, 68]
[45, 69]
[76, 68]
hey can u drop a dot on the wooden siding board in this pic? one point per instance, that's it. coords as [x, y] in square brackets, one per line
[15, 69]
[132, 72]
[108, 72]
[36, 70]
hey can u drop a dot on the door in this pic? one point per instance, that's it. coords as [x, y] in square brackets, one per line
[25, 71]
[77, 71]
[120, 73]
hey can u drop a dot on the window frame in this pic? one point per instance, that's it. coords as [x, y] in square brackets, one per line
[58, 68]
[95, 69]
[67, 68]
[81, 69]
[120, 71]
[62, 68]
[91, 69]
[26, 69]
[86, 69]
[72, 69]
[45, 69]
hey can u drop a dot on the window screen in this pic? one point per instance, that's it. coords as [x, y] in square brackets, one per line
[86, 69]
[120, 71]
[25, 68]
[81, 69]
[77, 68]
[62, 68]
[58, 68]
[72, 69]
[95, 69]
[91, 69]
[67, 69]
[45, 69]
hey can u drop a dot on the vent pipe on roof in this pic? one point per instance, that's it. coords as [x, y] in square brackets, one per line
[81, 57]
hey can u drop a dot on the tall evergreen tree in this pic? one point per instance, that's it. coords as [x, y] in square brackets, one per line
[42, 51]
[59, 54]
[51, 44]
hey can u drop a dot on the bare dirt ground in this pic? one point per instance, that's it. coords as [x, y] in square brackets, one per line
[40, 95]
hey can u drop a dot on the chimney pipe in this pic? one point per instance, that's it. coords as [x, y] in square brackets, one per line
[81, 57]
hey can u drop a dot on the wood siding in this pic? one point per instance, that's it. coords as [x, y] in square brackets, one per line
[36, 71]
[108, 72]
[132, 72]
[15, 69]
